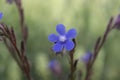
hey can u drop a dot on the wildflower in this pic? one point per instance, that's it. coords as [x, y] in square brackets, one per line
[117, 22]
[63, 40]
[86, 57]
[1, 15]
[9, 1]
[54, 66]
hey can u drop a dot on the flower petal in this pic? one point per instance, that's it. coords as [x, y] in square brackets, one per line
[69, 45]
[57, 47]
[53, 38]
[1, 15]
[60, 28]
[71, 33]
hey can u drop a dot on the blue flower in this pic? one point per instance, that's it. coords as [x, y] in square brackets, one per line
[1, 15]
[63, 40]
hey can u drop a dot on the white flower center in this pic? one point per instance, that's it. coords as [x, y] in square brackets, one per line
[62, 38]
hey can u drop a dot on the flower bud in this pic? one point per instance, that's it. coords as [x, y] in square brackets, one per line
[117, 22]
[86, 57]
[1, 15]
[9, 1]
[55, 67]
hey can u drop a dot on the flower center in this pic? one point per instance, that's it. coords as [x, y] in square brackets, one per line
[62, 38]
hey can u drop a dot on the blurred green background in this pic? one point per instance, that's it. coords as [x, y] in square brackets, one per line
[89, 17]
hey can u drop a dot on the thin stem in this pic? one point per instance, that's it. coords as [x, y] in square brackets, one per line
[22, 20]
[72, 66]
[23, 62]
[24, 36]
[96, 51]
[12, 51]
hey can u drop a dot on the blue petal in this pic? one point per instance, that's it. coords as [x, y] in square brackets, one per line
[71, 33]
[53, 38]
[69, 45]
[60, 28]
[57, 47]
[1, 15]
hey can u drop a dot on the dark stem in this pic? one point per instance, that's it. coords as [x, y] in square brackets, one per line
[96, 51]
[13, 53]
[21, 14]
[72, 63]
[71, 66]
[21, 57]
[24, 62]
[24, 37]
[22, 19]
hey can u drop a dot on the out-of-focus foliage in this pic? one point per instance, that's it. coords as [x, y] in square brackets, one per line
[89, 17]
